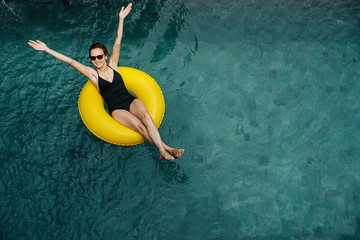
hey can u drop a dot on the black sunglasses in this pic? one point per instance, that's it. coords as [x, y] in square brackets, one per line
[99, 57]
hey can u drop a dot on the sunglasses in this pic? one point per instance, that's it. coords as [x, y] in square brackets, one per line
[99, 57]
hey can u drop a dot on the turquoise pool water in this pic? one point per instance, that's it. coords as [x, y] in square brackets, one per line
[264, 96]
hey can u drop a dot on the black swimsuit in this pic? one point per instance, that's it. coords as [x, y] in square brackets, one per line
[115, 93]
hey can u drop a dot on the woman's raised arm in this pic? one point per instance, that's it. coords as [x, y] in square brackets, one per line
[87, 71]
[114, 59]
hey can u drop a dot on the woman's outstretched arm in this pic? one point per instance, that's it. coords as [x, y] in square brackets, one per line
[87, 71]
[114, 59]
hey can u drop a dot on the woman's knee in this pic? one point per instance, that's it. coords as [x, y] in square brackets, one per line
[140, 128]
[130, 121]
[146, 118]
[139, 110]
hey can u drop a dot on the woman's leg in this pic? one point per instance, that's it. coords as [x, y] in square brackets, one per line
[141, 122]
[130, 121]
[139, 110]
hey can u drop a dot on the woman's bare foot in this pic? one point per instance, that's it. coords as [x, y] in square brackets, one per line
[166, 155]
[176, 152]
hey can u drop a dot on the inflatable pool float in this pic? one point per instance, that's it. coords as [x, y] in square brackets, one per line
[102, 125]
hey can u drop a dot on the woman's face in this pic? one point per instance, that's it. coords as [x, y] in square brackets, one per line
[98, 57]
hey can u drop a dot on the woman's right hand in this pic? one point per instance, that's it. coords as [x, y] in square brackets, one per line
[38, 45]
[124, 12]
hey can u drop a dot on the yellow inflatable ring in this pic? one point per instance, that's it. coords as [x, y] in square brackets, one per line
[102, 125]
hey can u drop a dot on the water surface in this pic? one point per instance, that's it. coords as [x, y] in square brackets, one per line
[262, 94]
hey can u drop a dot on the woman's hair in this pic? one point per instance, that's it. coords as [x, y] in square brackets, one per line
[99, 45]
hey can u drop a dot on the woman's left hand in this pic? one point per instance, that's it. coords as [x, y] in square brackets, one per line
[38, 45]
[124, 12]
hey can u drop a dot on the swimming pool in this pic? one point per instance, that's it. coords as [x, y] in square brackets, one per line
[262, 94]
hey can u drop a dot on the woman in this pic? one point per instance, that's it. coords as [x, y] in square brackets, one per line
[124, 108]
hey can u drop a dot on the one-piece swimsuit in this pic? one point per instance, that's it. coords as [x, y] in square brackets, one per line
[115, 93]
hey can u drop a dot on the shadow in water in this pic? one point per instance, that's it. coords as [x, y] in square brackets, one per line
[168, 43]
[171, 171]
[8, 18]
[356, 234]
[145, 23]
[149, 17]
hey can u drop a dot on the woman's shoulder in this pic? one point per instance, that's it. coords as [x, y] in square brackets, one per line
[112, 65]
[94, 75]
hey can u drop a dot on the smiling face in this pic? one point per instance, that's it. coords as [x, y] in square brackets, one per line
[100, 59]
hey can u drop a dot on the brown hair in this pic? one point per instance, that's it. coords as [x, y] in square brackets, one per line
[99, 45]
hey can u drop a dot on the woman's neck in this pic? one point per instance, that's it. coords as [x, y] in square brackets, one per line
[103, 68]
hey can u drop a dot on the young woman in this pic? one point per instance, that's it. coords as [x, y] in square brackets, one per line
[124, 108]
